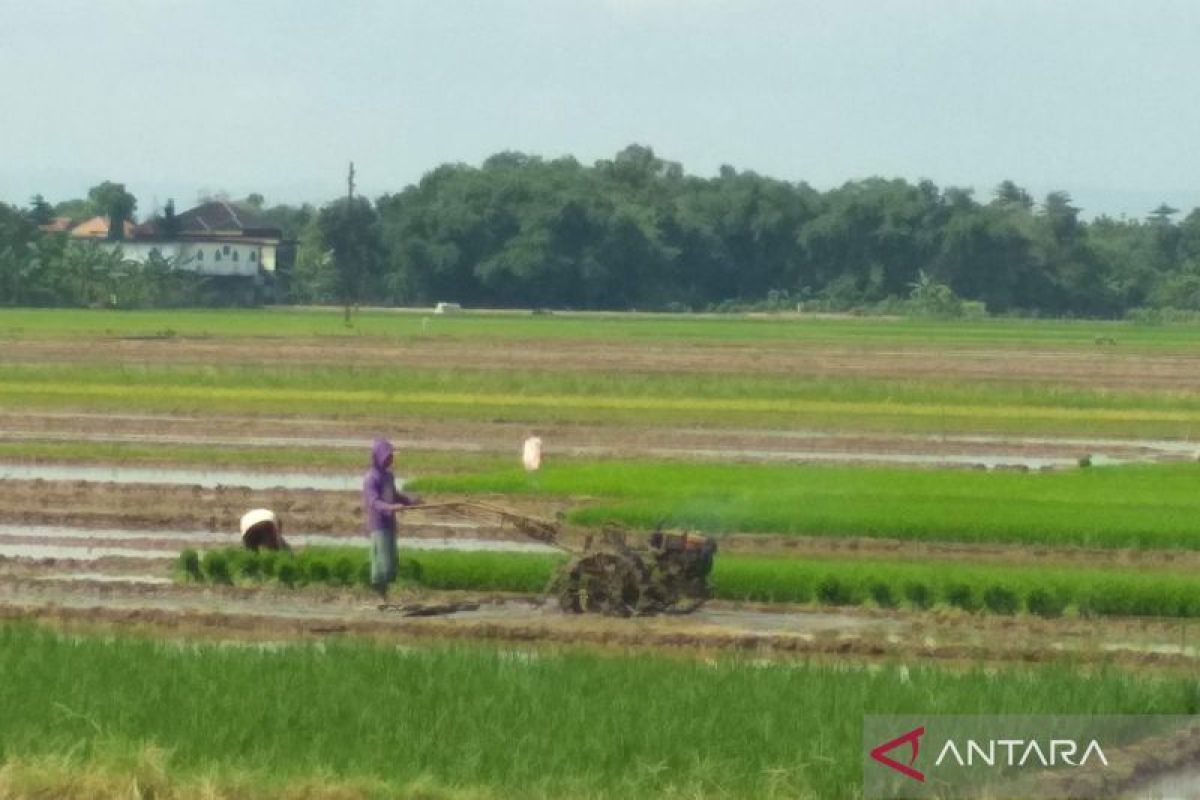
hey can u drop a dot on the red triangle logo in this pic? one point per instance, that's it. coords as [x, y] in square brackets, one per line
[913, 738]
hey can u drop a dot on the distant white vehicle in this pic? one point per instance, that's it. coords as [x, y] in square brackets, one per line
[447, 308]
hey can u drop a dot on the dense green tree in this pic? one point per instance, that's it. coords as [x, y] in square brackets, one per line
[113, 201]
[636, 231]
[18, 241]
[349, 233]
[76, 210]
[40, 212]
[313, 280]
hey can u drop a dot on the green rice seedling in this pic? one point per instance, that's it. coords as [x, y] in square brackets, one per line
[1146, 506]
[342, 570]
[1001, 600]
[270, 563]
[1044, 603]
[288, 572]
[507, 572]
[408, 569]
[215, 566]
[918, 594]
[834, 591]
[189, 564]
[882, 594]
[249, 567]
[961, 595]
[317, 571]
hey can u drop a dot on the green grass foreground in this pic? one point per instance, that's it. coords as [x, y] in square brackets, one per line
[1142, 506]
[532, 724]
[1045, 591]
[521, 325]
[541, 397]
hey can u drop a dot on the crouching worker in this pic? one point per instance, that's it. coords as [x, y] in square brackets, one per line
[262, 530]
[381, 501]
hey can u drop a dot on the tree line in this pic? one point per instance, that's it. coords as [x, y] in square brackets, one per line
[637, 232]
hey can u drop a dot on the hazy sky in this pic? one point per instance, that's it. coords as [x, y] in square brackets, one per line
[179, 97]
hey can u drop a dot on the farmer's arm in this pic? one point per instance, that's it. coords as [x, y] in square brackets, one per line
[403, 500]
[375, 497]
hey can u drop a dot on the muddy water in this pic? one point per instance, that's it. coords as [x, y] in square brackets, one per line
[105, 577]
[41, 551]
[1165, 446]
[910, 451]
[209, 479]
[990, 461]
[1161, 447]
[101, 543]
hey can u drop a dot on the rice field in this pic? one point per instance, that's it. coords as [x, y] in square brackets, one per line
[536, 724]
[1044, 591]
[1138, 506]
[344, 717]
[605, 397]
[521, 325]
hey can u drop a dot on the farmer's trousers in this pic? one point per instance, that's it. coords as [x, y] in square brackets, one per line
[383, 558]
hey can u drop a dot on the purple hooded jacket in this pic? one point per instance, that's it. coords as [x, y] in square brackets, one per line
[379, 490]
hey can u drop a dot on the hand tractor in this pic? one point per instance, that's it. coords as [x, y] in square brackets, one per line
[616, 573]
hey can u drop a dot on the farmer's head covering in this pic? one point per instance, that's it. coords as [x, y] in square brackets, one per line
[381, 451]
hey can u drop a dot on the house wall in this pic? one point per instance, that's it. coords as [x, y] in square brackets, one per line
[205, 257]
[223, 258]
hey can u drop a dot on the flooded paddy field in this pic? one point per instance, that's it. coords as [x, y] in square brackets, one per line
[569, 441]
[112, 464]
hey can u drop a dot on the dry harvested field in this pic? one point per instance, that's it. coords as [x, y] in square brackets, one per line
[944, 455]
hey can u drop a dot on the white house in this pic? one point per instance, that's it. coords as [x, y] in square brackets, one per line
[215, 238]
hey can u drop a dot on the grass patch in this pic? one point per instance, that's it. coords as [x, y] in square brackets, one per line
[1142, 506]
[539, 724]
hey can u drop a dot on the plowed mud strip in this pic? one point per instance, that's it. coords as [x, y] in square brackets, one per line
[83, 545]
[82, 578]
[772, 628]
[205, 479]
[624, 635]
[326, 605]
[986, 460]
[501, 437]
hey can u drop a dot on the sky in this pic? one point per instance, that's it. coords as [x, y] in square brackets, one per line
[183, 98]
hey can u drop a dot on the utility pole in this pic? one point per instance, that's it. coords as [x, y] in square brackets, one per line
[349, 222]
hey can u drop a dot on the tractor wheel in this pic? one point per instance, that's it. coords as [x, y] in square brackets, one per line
[601, 583]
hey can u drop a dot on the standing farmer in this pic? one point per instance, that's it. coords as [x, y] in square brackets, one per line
[381, 501]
